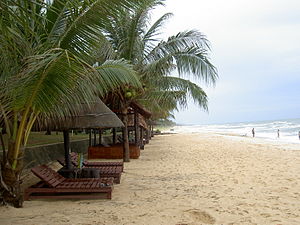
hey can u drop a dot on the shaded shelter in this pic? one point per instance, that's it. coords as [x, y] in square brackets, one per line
[137, 123]
[151, 124]
[94, 115]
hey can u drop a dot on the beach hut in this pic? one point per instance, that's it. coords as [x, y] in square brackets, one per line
[137, 124]
[92, 116]
[138, 118]
[151, 124]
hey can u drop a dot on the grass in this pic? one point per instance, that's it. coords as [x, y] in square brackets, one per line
[39, 138]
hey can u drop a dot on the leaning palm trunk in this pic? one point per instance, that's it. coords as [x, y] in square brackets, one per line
[126, 155]
[11, 177]
[12, 160]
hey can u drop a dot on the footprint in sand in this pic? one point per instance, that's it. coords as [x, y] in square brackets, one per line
[200, 216]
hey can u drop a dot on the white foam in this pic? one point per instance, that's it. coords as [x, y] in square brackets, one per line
[267, 130]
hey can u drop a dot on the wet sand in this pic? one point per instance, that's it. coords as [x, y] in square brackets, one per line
[189, 179]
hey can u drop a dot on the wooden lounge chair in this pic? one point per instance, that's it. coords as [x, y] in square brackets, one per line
[74, 158]
[53, 185]
[105, 171]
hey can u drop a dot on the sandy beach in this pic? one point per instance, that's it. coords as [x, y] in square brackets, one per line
[187, 179]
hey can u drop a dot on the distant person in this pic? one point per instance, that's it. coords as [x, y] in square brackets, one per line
[278, 133]
[253, 132]
[299, 135]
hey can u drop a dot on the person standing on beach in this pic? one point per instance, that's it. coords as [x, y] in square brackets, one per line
[278, 133]
[253, 132]
[299, 135]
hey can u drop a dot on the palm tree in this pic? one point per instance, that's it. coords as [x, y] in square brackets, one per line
[154, 60]
[169, 93]
[47, 69]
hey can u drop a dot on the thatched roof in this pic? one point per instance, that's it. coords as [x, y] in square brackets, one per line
[142, 121]
[140, 109]
[94, 115]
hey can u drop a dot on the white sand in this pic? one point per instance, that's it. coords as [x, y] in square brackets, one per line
[187, 179]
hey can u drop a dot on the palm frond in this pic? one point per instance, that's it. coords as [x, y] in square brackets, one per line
[162, 103]
[156, 69]
[188, 51]
[114, 74]
[176, 43]
[190, 89]
[194, 61]
[84, 30]
[154, 30]
[42, 85]
[56, 20]
[149, 38]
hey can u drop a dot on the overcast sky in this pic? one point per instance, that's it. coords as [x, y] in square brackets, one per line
[256, 49]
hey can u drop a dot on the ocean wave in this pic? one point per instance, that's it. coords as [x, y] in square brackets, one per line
[288, 129]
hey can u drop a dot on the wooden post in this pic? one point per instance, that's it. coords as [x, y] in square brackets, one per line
[147, 136]
[152, 133]
[136, 128]
[141, 138]
[100, 136]
[90, 137]
[114, 136]
[149, 130]
[67, 149]
[95, 137]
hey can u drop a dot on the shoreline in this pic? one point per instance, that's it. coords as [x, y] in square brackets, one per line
[292, 145]
[191, 179]
[281, 130]
[261, 140]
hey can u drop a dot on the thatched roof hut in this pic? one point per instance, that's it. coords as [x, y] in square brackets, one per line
[142, 113]
[140, 109]
[88, 116]
[93, 115]
[141, 119]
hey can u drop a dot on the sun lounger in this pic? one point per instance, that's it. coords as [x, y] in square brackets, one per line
[53, 185]
[74, 158]
[105, 171]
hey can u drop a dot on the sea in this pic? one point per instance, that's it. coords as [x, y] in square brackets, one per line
[267, 130]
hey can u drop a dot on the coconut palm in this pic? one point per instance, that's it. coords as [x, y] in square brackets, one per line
[171, 92]
[47, 69]
[133, 39]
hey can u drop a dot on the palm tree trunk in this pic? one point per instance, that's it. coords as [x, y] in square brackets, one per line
[10, 181]
[126, 156]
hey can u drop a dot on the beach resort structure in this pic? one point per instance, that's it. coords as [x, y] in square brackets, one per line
[102, 71]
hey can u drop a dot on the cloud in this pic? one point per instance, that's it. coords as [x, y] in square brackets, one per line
[256, 50]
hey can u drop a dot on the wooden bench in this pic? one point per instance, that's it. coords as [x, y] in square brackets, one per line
[74, 159]
[104, 171]
[53, 185]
